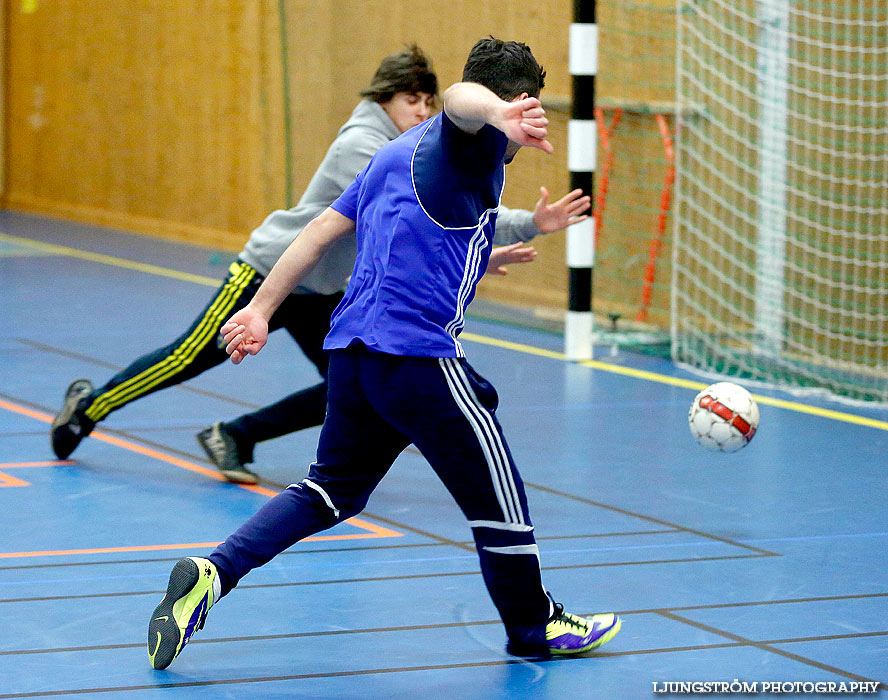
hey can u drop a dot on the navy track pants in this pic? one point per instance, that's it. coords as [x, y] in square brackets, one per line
[378, 404]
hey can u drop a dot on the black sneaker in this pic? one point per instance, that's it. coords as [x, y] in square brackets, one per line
[70, 426]
[222, 451]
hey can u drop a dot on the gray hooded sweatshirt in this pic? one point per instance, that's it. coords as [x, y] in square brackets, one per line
[368, 129]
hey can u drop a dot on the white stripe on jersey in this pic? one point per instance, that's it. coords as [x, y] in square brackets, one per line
[477, 244]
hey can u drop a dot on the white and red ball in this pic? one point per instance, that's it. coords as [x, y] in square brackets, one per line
[723, 417]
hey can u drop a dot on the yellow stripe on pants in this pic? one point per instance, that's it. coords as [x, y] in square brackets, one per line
[183, 355]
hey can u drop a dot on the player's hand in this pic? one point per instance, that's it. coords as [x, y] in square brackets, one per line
[245, 333]
[525, 122]
[566, 211]
[508, 254]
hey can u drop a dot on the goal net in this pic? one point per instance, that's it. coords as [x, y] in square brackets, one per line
[780, 248]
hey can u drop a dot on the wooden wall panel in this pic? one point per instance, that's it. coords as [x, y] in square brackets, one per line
[168, 117]
[446, 31]
[142, 114]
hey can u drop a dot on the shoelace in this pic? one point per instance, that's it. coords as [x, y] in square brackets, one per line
[215, 443]
[568, 620]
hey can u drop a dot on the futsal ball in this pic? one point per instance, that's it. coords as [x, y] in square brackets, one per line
[723, 417]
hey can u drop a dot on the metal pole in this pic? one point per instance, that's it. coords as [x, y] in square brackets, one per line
[773, 91]
[582, 140]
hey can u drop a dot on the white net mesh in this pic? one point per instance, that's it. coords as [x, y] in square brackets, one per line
[780, 257]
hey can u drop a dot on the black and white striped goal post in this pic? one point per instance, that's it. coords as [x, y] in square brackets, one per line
[582, 140]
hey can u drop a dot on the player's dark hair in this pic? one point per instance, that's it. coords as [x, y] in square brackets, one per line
[409, 70]
[506, 68]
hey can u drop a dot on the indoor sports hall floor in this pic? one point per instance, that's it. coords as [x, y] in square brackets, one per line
[769, 565]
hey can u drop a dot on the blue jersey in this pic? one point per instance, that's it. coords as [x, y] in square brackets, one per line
[424, 211]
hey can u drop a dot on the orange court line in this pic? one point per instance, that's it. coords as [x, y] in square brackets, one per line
[104, 550]
[25, 411]
[195, 545]
[134, 447]
[7, 480]
[50, 463]
[373, 530]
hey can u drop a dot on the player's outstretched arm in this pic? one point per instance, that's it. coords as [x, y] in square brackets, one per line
[246, 332]
[568, 210]
[508, 254]
[470, 106]
[513, 225]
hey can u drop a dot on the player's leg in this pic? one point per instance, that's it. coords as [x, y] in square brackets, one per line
[193, 352]
[230, 444]
[472, 460]
[450, 417]
[355, 451]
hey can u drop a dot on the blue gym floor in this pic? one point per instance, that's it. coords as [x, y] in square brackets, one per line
[767, 565]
